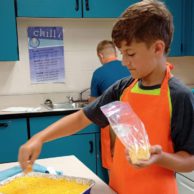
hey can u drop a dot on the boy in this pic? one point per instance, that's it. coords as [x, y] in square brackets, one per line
[165, 106]
[102, 78]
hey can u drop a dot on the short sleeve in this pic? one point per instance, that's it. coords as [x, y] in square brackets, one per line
[113, 93]
[182, 123]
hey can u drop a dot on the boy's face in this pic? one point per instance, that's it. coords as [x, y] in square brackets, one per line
[139, 59]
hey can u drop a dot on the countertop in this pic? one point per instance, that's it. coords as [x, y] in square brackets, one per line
[42, 111]
[31, 105]
[71, 166]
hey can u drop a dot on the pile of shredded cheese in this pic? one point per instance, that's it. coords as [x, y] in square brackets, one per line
[140, 153]
[42, 185]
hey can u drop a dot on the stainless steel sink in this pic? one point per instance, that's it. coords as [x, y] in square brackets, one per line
[65, 106]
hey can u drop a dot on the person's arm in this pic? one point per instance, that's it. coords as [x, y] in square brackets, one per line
[91, 99]
[68, 125]
[179, 162]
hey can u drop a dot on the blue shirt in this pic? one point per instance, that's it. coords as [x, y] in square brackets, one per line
[106, 75]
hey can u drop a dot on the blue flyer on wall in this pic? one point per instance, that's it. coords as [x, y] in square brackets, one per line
[46, 54]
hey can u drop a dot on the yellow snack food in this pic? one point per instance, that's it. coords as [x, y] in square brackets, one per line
[42, 185]
[139, 153]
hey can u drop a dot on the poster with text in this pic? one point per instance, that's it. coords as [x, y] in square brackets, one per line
[46, 54]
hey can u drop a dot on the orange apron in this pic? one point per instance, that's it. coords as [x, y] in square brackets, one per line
[106, 147]
[154, 111]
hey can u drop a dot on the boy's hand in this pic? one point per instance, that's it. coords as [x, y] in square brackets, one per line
[29, 152]
[155, 156]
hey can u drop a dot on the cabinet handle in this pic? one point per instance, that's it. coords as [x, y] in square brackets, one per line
[91, 146]
[100, 145]
[76, 5]
[87, 5]
[3, 125]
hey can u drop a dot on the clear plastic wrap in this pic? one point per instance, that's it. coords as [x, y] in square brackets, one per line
[129, 129]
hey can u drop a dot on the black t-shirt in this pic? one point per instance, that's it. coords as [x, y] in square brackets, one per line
[182, 119]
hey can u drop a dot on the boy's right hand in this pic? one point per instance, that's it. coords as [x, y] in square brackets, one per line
[29, 152]
[156, 154]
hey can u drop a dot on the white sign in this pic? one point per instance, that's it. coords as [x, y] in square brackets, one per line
[46, 54]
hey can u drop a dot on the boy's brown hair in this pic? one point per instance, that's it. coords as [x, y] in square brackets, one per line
[105, 44]
[145, 21]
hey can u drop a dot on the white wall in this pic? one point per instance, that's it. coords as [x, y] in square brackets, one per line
[184, 69]
[80, 39]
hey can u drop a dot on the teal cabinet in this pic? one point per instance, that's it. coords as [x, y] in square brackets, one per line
[8, 32]
[192, 29]
[72, 8]
[82, 145]
[49, 8]
[100, 9]
[176, 9]
[187, 27]
[13, 133]
[105, 9]
[101, 172]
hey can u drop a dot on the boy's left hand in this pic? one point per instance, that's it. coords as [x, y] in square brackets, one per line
[155, 156]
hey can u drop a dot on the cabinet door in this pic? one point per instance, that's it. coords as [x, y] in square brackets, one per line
[185, 186]
[8, 34]
[80, 145]
[105, 9]
[49, 9]
[92, 128]
[177, 11]
[13, 133]
[187, 26]
[101, 172]
[192, 30]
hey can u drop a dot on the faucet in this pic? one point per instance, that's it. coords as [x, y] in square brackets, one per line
[81, 93]
[70, 98]
[48, 102]
[80, 99]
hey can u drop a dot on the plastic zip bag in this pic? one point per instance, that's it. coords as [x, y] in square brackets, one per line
[129, 129]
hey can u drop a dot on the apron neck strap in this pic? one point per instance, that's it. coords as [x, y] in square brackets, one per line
[164, 85]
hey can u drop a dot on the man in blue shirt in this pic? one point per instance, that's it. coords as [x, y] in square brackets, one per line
[103, 77]
[110, 71]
